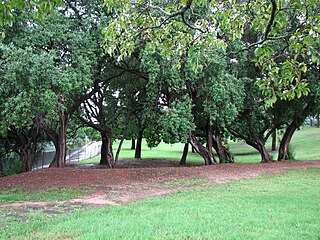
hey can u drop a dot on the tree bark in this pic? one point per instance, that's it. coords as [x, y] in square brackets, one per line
[133, 144]
[119, 149]
[265, 156]
[106, 149]
[318, 120]
[210, 145]
[221, 150]
[259, 144]
[139, 145]
[183, 160]
[283, 152]
[60, 143]
[26, 156]
[274, 140]
[201, 150]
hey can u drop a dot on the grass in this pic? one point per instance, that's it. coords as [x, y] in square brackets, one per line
[280, 206]
[49, 195]
[305, 143]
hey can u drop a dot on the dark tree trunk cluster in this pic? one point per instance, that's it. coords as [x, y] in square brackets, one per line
[137, 153]
[201, 150]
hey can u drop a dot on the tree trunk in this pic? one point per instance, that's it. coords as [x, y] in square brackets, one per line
[265, 156]
[183, 160]
[60, 143]
[106, 149]
[283, 152]
[259, 144]
[222, 151]
[119, 149]
[210, 144]
[274, 140]
[26, 156]
[139, 145]
[201, 150]
[133, 144]
[318, 120]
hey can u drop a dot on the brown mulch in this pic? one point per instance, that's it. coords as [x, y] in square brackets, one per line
[104, 179]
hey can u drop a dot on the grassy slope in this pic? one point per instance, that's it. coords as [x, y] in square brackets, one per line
[305, 143]
[282, 206]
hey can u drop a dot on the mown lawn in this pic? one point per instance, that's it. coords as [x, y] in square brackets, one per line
[305, 145]
[280, 206]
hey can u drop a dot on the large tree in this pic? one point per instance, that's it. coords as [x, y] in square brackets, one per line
[173, 25]
[59, 72]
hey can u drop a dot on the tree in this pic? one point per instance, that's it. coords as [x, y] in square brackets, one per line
[10, 9]
[291, 114]
[100, 111]
[254, 124]
[203, 22]
[66, 56]
[218, 95]
[24, 99]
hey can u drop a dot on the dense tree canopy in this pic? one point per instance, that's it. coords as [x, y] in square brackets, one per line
[190, 71]
[285, 29]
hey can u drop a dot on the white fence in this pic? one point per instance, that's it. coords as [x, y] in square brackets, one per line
[87, 151]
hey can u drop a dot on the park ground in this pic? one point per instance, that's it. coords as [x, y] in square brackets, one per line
[64, 192]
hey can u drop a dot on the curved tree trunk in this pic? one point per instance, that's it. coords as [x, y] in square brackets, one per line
[119, 148]
[283, 152]
[265, 156]
[183, 160]
[139, 145]
[222, 151]
[201, 150]
[259, 144]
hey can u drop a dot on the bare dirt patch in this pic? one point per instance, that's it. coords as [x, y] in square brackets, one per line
[123, 184]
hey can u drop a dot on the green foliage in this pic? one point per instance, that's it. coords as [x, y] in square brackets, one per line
[11, 165]
[10, 8]
[177, 121]
[286, 35]
[220, 93]
[24, 88]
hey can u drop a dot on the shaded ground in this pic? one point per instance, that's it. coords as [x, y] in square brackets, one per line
[131, 181]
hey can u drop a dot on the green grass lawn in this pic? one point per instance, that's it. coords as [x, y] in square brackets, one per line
[305, 143]
[280, 206]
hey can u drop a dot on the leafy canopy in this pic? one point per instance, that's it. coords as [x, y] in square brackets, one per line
[287, 35]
